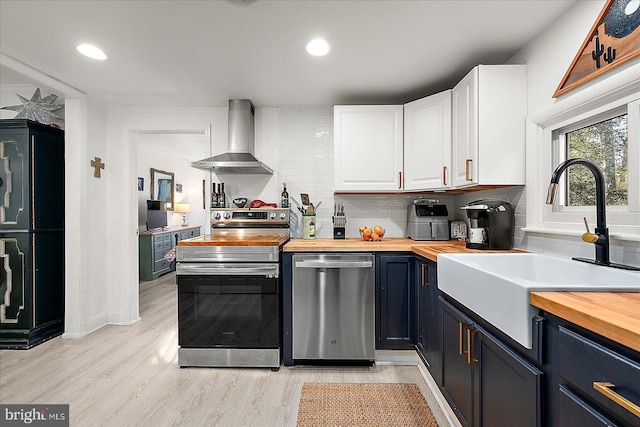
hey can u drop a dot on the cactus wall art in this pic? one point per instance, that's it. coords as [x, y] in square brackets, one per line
[613, 40]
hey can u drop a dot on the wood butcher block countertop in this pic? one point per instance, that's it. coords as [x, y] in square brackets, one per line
[614, 315]
[428, 249]
[247, 238]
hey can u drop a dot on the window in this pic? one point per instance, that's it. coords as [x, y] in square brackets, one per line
[602, 139]
[601, 123]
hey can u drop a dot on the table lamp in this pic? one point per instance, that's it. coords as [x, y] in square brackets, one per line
[183, 208]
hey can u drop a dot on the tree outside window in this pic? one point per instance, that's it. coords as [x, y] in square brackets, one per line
[605, 143]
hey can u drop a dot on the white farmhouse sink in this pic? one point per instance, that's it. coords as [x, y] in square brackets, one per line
[497, 286]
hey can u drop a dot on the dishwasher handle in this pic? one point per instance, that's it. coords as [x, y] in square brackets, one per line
[334, 264]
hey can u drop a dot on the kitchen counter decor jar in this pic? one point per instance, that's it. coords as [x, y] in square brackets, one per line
[309, 225]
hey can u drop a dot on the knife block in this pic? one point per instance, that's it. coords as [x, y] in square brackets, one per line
[339, 223]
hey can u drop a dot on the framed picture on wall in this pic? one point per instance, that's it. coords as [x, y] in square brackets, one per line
[140, 183]
[179, 188]
[162, 186]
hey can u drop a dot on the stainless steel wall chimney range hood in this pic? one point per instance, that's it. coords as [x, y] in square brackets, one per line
[239, 157]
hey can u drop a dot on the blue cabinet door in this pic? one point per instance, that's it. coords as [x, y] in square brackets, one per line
[395, 302]
[428, 326]
[458, 375]
[510, 387]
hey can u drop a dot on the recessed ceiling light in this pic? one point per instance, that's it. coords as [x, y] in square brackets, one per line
[318, 47]
[91, 51]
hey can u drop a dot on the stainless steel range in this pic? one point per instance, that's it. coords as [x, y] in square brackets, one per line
[229, 290]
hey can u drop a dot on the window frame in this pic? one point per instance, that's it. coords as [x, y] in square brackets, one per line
[559, 151]
[619, 91]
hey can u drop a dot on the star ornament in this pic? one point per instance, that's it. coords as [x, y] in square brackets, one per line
[42, 110]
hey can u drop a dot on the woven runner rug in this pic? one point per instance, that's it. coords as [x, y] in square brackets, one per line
[369, 404]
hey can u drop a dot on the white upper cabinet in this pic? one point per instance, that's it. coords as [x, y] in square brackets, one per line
[367, 148]
[427, 143]
[488, 126]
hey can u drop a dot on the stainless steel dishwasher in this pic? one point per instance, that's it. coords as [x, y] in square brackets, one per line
[333, 306]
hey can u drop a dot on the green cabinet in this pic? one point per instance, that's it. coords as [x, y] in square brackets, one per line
[395, 301]
[154, 245]
[31, 233]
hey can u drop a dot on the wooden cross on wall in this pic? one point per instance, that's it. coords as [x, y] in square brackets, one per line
[97, 164]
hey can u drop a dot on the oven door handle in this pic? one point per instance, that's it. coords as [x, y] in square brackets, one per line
[207, 269]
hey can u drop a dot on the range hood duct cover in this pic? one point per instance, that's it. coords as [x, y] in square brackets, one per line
[239, 158]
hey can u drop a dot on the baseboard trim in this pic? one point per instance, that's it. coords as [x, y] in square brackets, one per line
[397, 357]
[451, 418]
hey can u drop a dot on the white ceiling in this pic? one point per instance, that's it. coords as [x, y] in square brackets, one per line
[202, 53]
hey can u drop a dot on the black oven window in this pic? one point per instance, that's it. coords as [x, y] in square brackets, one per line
[228, 306]
[231, 312]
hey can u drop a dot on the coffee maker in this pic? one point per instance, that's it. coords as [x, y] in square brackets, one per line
[492, 223]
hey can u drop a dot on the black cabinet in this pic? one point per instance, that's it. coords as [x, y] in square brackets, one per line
[31, 233]
[428, 341]
[485, 381]
[594, 381]
[395, 301]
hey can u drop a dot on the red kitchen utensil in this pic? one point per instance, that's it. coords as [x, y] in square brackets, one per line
[259, 203]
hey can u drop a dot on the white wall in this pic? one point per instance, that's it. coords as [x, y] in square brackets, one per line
[99, 304]
[173, 153]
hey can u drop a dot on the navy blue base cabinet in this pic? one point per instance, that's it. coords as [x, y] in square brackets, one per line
[484, 380]
[591, 377]
[31, 233]
[428, 328]
[395, 302]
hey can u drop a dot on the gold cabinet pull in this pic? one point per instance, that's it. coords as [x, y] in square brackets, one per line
[425, 282]
[461, 336]
[470, 360]
[606, 389]
[467, 170]
[444, 175]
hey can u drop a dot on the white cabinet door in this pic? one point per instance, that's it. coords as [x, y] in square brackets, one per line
[489, 108]
[367, 148]
[464, 130]
[427, 143]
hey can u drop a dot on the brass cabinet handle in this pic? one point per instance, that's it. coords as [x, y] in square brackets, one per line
[467, 170]
[461, 336]
[470, 360]
[400, 185]
[444, 175]
[425, 282]
[606, 389]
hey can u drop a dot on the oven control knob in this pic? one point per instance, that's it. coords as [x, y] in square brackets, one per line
[272, 215]
[283, 215]
[217, 216]
[227, 215]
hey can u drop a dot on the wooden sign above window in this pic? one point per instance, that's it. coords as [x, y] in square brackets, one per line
[613, 40]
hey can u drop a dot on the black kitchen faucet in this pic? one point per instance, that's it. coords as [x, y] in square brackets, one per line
[601, 236]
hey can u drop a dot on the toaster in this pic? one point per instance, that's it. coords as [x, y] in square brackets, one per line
[427, 220]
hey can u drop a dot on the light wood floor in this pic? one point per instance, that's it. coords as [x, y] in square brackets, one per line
[129, 376]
